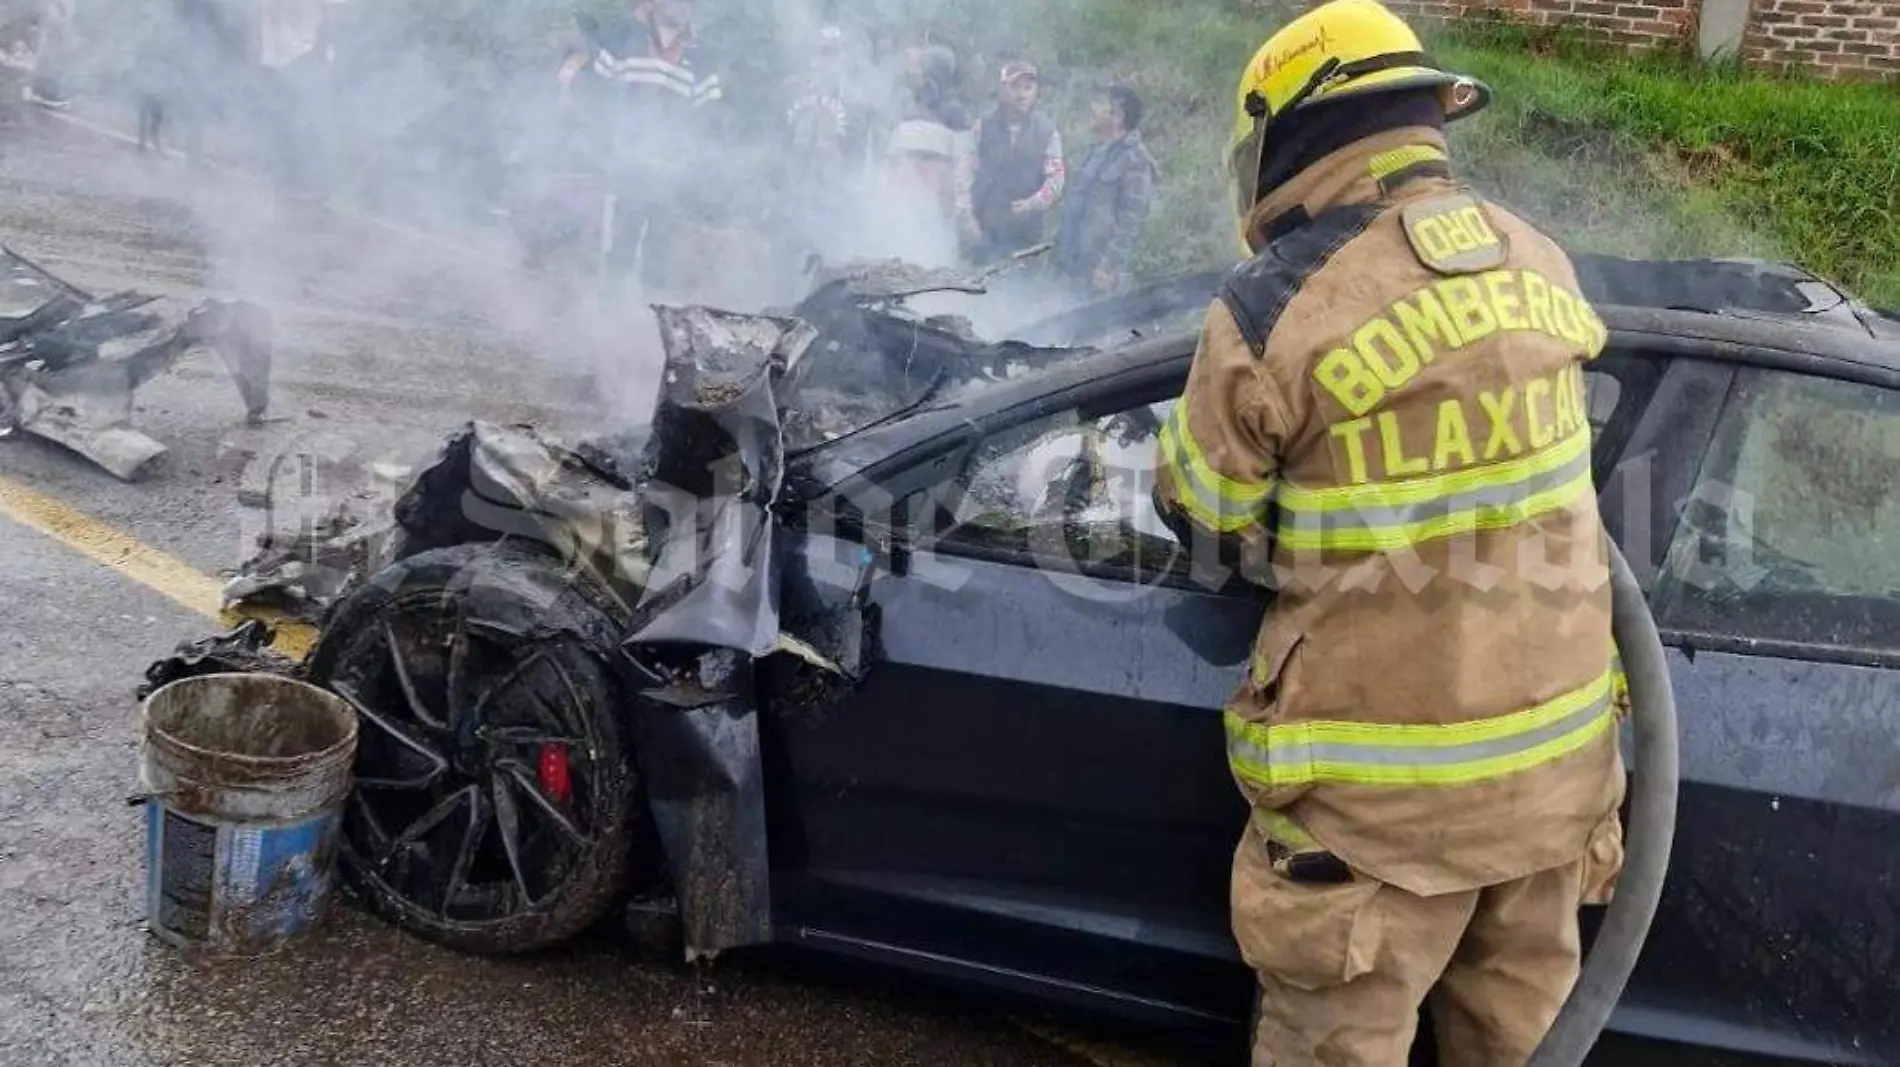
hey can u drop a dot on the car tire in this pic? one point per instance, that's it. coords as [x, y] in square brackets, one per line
[553, 836]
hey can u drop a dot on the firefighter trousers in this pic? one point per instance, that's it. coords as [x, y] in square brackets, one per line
[1344, 967]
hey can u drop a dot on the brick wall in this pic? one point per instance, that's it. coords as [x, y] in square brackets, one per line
[1839, 38]
[1638, 24]
[1833, 38]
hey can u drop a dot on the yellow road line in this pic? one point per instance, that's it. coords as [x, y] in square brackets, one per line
[196, 591]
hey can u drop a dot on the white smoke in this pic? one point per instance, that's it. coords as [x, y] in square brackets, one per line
[433, 132]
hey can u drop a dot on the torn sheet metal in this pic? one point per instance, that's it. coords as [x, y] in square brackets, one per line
[714, 465]
[491, 482]
[487, 483]
[874, 359]
[71, 362]
[305, 569]
[712, 470]
[314, 545]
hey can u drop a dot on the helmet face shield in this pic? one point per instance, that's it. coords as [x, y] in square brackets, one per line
[1244, 160]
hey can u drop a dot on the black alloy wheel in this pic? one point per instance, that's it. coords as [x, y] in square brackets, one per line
[495, 805]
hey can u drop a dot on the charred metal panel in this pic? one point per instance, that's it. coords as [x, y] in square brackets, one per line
[715, 462]
[712, 471]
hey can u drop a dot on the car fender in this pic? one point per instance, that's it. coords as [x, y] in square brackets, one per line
[696, 740]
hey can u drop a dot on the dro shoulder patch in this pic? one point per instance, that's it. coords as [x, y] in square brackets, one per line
[1451, 234]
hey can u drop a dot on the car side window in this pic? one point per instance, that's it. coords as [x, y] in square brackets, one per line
[1073, 489]
[1791, 533]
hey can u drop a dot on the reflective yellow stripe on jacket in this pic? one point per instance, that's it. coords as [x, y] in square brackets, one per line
[1353, 753]
[1276, 827]
[1212, 499]
[1386, 516]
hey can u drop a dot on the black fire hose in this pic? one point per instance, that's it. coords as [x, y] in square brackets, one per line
[1651, 831]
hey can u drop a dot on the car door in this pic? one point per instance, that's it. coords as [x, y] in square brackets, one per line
[1775, 578]
[1031, 776]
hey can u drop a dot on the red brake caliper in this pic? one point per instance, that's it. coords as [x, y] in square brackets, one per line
[552, 766]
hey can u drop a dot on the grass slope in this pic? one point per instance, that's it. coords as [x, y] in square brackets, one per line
[1712, 160]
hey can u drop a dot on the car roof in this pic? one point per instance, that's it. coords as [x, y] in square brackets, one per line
[1747, 288]
[1736, 303]
[1750, 311]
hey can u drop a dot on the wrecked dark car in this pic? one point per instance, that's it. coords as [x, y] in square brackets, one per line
[871, 644]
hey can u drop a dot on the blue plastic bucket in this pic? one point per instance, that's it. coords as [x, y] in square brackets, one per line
[245, 777]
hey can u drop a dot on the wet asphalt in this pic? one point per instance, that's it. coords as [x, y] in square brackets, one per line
[384, 344]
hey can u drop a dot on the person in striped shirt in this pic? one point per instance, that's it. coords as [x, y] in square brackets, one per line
[645, 85]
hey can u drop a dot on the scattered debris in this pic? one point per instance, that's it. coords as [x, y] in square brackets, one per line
[486, 483]
[244, 649]
[306, 568]
[70, 362]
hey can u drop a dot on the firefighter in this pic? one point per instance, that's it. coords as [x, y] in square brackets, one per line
[1385, 420]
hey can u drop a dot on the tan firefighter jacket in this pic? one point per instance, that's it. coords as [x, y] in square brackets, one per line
[1387, 410]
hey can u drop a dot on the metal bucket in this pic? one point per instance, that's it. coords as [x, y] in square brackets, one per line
[245, 777]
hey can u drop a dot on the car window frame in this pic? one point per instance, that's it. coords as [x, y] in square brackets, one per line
[1637, 375]
[1653, 463]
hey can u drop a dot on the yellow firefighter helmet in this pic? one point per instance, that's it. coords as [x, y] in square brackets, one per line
[1340, 50]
